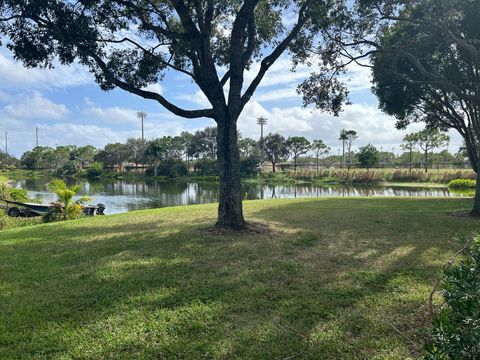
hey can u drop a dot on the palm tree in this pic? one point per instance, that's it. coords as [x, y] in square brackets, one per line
[67, 207]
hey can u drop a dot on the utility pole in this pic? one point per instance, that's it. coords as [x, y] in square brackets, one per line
[142, 116]
[343, 137]
[262, 121]
[36, 136]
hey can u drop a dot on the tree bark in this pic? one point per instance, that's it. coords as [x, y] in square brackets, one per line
[230, 212]
[410, 160]
[426, 161]
[273, 166]
[476, 199]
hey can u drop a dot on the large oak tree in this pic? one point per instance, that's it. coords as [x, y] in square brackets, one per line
[129, 44]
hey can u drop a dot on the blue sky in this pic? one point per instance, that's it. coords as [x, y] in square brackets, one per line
[69, 108]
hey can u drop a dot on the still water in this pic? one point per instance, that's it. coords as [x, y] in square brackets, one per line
[127, 195]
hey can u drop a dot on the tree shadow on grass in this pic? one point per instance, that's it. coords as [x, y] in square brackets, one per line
[152, 289]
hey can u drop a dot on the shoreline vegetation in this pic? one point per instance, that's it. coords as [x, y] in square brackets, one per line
[389, 177]
[328, 278]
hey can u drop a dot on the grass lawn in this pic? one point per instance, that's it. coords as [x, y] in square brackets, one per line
[334, 279]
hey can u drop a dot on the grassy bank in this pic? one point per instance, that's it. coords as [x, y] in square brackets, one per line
[332, 279]
[20, 174]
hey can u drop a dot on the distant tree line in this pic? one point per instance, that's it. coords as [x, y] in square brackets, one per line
[196, 153]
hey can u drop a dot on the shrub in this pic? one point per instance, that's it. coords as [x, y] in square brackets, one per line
[17, 194]
[456, 328]
[206, 167]
[95, 170]
[69, 169]
[250, 165]
[409, 176]
[277, 177]
[172, 168]
[10, 193]
[449, 176]
[65, 207]
[363, 177]
[462, 184]
[7, 222]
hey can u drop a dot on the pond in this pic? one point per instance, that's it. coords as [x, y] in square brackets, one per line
[122, 195]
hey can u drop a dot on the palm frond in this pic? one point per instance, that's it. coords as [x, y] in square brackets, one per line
[82, 200]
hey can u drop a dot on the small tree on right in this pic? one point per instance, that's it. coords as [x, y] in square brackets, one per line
[427, 140]
[368, 156]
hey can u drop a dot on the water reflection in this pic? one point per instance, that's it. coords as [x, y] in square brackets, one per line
[127, 195]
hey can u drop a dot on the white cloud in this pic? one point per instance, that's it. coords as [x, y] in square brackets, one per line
[358, 78]
[156, 88]
[279, 74]
[198, 98]
[34, 106]
[289, 93]
[372, 125]
[14, 75]
[115, 115]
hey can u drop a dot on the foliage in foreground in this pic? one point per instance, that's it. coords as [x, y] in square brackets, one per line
[456, 329]
[65, 208]
[10, 193]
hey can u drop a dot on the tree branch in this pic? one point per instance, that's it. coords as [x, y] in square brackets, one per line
[268, 61]
[189, 114]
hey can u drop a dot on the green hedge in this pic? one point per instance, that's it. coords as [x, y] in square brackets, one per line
[462, 184]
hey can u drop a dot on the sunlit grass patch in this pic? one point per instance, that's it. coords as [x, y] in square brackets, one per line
[330, 279]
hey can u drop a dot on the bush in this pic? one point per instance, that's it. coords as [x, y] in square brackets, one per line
[206, 167]
[7, 222]
[17, 194]
[271, 177]
[95, 170]
[363, 177]
[462, 184]
[58, 212]
[449, 176]
[10, 193]
[456, 328]
[250, 165]
[172, 168]
[410, 176]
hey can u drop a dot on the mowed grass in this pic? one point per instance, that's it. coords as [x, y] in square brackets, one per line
[334, 279]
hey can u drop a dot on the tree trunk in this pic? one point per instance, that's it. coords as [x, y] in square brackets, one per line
[230, 212]
[426, 161]
[476, 199]
[273, 166]
[410, 160]
[317, 164]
